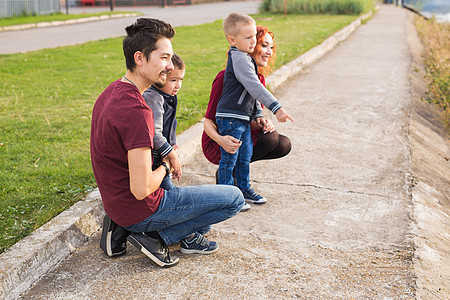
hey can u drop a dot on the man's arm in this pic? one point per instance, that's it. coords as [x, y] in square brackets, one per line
[144, 181]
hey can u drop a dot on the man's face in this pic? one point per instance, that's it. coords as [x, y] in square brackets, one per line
[159, 62]
[245, 40]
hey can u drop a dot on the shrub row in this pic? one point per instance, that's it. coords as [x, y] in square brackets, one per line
[436, 39]
[317, 6]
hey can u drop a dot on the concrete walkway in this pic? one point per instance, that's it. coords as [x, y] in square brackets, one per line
[56, 36]
[338, 221]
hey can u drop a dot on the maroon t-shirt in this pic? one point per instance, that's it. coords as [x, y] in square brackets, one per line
[210, 148]
[121, 121]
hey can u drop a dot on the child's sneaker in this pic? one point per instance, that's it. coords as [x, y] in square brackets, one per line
[245, 207]
[199, 244]
[252, 197]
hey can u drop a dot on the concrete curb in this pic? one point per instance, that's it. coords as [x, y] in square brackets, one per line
[67, 22]
[33, 256]
[37, 253]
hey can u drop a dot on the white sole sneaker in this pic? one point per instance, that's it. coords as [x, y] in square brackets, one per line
[260, 201]
[245, 207]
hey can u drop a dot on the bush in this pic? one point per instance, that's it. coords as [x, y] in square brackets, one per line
[335, 7]
[436, 39]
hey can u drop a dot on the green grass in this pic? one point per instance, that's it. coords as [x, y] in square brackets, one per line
[20, 20]
[46, 101]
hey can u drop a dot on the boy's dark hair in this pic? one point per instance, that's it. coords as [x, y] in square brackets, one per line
[177, 62]
[143, 36]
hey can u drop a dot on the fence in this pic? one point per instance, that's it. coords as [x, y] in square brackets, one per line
[9, 8]
[135, 3]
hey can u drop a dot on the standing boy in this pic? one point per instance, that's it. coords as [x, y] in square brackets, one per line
[162, 99]
[239, 104]
[122, 133]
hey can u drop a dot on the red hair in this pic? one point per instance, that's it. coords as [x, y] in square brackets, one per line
[261, 31]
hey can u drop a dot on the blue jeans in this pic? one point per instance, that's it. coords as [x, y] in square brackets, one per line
[185, 210]
[239, 161]
[167, 184]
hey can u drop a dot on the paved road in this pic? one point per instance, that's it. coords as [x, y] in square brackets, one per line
[50, 37]
[337, 224]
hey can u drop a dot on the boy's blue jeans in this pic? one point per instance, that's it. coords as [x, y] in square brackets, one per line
[185, 210]
[239, 161]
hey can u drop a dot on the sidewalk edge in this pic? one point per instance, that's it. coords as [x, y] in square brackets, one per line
[37, 253]
[33, 256]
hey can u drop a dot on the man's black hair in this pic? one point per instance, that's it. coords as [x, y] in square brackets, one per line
[143, 36]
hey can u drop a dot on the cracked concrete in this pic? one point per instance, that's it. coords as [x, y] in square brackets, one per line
[298, 184]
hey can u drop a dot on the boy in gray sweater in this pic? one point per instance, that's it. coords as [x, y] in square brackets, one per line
[240, 103]
[163, 101]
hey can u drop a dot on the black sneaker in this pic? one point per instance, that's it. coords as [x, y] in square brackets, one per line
[155, 249]
[114, 238]
[199, 244]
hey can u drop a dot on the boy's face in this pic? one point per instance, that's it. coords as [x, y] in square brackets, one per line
[245, 40]
[173, 82]
[159, 63]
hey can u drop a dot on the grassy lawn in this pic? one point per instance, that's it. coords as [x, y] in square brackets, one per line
[47, 96]
[54, 17]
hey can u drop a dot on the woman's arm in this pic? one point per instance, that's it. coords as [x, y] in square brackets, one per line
[227, 142]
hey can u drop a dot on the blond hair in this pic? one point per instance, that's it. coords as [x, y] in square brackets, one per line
[234, 21]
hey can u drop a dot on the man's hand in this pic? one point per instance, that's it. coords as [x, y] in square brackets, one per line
[283, 116]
